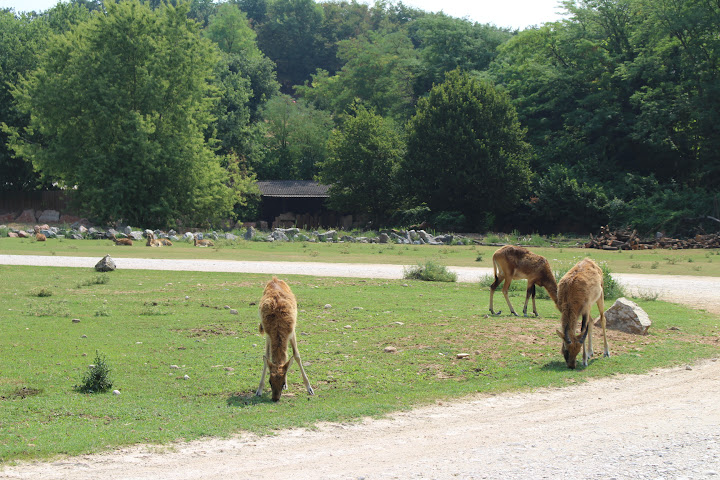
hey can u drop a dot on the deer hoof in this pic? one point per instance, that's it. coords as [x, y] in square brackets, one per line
[497, 314]
[311, 391]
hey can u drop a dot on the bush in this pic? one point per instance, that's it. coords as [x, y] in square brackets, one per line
[448, 222]
[96, 379]
[430, 272]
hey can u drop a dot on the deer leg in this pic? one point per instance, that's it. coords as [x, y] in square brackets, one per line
[587, 341]
[296, 354]
[506, 287]
[493, 287]
[601, 306]
[530, 292]
[265, 363]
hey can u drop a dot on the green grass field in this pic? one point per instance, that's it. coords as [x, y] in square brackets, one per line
[665, 262]
[144, 322]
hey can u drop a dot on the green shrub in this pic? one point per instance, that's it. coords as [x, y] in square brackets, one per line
[97, 378]
[430, 272]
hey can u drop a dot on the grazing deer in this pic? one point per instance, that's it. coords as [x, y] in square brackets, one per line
[121, 241]
[152, 241]
[40, 237]
[278, 316]
[514, 263]
[203, 242]
[578, 289]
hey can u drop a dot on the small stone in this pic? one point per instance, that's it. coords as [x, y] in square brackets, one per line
[462, 355]
[390, 349]
[688, 367]
[327, 306]
[399, 323]
[116, 392]
[174, 367]
[227, 307]
[186, 377]
[358, 308]
[76, 320]
[229, 369]
[347, 326]
[187, 297]
[83, 336]
[233, 311]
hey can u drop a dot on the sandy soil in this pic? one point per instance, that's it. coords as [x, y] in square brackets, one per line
[664, 425]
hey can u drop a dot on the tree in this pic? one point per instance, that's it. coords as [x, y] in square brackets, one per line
[379, 71]
[290, 37]
[246, 77]
[362, 161]
[466, 151]
[295, 135]
[119, 109]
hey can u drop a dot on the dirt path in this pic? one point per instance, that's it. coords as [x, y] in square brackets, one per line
[664, 425]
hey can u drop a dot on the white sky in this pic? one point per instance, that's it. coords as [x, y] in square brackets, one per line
[503, 13]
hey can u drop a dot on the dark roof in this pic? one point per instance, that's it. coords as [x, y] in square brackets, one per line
[292, 188]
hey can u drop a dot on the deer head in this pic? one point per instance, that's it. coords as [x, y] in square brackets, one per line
[278, 373]
[571, 346]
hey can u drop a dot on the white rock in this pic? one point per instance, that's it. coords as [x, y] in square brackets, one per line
[327, 306]
[390, 349]
[174, 367]
[627, 316]
[186, 377]
[116, 392]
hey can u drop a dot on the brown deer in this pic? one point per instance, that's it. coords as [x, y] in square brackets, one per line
[152, 241]
[278, 316]
[121, 241]
[578, 289]
[203, 243]
[514, 263]
[40, 237]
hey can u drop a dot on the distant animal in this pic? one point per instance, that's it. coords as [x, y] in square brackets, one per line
[166, 242]
[278, 317]
[514, 263]
[121, 241]
[152, 241]
[578, 289]
[203, 243]
[40, 237]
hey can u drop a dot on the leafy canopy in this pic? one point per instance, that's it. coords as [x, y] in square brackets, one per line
[119, 108]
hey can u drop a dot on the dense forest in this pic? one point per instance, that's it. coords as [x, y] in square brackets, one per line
[157, 112]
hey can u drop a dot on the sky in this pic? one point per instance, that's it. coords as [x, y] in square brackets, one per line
[517, 14]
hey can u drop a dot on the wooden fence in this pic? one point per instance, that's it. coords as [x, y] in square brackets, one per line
[18, 201]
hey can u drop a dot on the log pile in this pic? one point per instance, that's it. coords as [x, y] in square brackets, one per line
[626, 239]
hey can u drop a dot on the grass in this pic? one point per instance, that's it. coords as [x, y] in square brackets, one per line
[661, 262]
[160, 327]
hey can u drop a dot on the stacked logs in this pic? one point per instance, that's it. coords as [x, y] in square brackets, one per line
[626, 239]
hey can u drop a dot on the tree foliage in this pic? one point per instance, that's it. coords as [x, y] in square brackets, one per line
[362, 163]
[466, 151]
[119, 107]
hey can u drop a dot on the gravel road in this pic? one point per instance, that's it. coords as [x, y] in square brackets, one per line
[663, 425]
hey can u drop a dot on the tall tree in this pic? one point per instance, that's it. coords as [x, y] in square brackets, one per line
[361, 166]
[119, 108]
[466, 151]
[290, 36]
[294, 136]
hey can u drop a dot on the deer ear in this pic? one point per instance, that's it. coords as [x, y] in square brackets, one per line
[559, 334]
[289, 362]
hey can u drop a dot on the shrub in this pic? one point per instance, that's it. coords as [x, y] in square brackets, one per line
[97, 378]
[430, 272]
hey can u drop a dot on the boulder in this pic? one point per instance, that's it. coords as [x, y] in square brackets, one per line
[107, 264]
[383, 238]
[27, 216]
[52, 216]
[627, 316]
[249, 233]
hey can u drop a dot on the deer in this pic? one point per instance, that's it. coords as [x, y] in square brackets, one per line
[203, 242]
[514, 263]
[121, 241]
[152, 241]
[578, 290]
[278, 317]
[40, 237]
